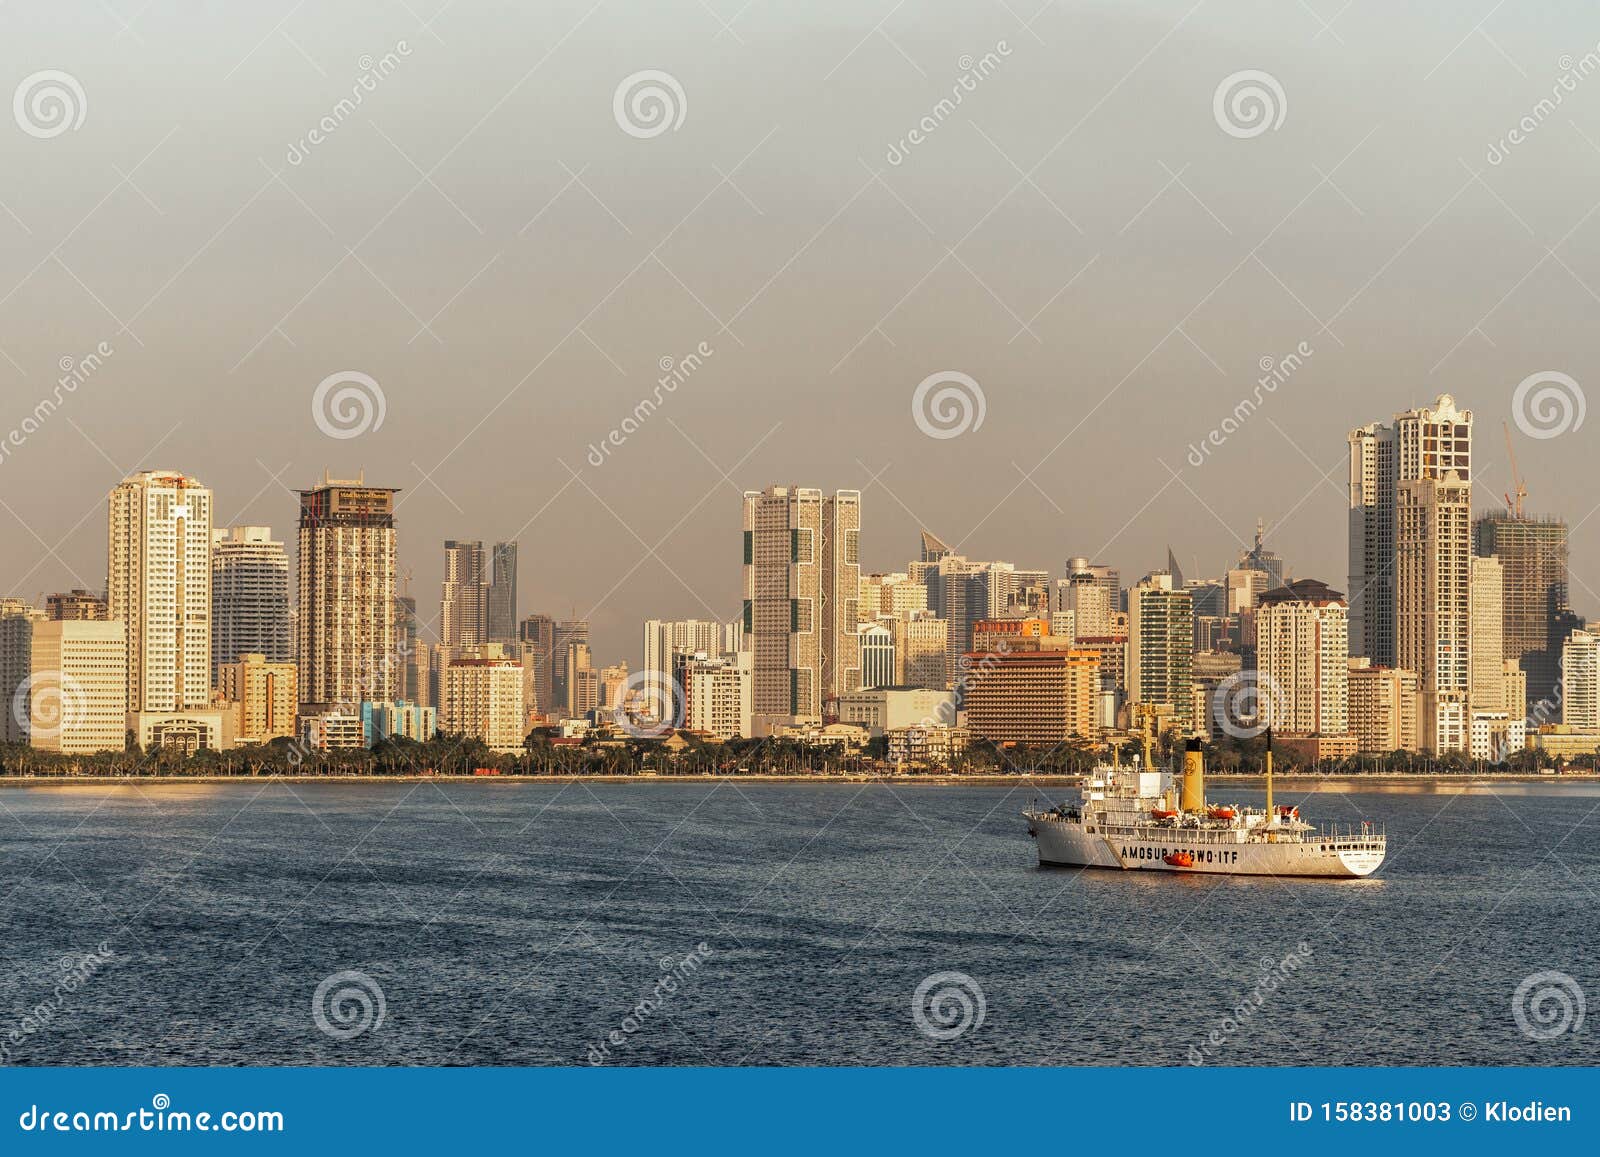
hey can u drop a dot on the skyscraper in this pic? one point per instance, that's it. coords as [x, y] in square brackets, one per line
[1161, 647]
[249, 597]
[802, 578]
[1302, 644]
[1487, 608]
[536, 638]
[464, 597]
[1410, 557]
[502, 624]
[1371, 531]
[345, 626]
[566, 635]
[1536, 617]
[159, 586]
[664, 639]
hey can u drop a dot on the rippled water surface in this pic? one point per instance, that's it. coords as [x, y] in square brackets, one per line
[525, 923]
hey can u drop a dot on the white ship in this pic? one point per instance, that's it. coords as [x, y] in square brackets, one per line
[1153, 820]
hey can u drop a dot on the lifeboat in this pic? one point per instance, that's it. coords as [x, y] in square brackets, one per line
[1161, 814]
[1178, 860]
[1220, 813]
[1289, 812]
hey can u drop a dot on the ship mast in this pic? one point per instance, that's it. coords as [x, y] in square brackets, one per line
[1271, 816]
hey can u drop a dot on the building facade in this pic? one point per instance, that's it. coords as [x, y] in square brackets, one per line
[345, 645]
[1302, 645]
[1161, 647]
[76, 701]
[802, 583]
[267, 693]
[249, 597]
[483, 701]
[1536, 617]
[717, 694]
[1034, 697]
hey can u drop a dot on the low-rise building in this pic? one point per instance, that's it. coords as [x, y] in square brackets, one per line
[882, 709]
[932, 746]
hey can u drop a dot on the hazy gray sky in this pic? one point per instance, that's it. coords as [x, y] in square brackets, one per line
[1081, 235]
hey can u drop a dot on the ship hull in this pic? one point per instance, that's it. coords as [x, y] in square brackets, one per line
[1067, 845]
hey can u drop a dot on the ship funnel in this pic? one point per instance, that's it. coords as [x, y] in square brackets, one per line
[1194, 778]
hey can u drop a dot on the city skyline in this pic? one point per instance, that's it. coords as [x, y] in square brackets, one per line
[511, 313]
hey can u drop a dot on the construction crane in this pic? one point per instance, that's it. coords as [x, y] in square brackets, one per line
[1514, 505]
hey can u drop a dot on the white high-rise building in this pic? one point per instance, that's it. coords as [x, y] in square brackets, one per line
[802, 586]
[249, 597]
[1302, 645]
[77, 693]
[1161, 647]
[483, 700]
[1580, 681]
[1410, 558]
[716, 694]
[665, 640]
[159, 586]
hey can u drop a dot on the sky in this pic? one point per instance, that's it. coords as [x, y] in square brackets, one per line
[1096, 250]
